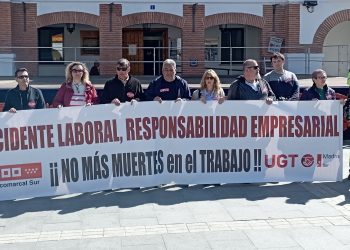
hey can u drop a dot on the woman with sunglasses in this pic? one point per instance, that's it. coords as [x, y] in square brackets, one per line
[210, 88]
[319, 89]
[77, 90]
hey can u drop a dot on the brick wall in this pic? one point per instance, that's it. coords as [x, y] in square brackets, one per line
[5, 27]
[19, 24]
[193, 39]
[110, 36]
[24, 34]
[326, 26]
[293, 28]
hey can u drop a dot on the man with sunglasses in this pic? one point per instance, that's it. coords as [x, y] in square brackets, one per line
[123, 87]
[23, 96]
[250, 86]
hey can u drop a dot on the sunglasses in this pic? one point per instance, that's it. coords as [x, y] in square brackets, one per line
[210, 78]
[77, 70]
[252, 67]
[23, 76]
[122, 69]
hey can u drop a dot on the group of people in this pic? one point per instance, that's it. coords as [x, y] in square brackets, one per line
[77, 90]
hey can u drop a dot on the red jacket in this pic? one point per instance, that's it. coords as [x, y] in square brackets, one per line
[65, 93]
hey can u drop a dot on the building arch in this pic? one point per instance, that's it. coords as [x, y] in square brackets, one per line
[152, 17]
[326, 26]
[234, 18]
[68, 17]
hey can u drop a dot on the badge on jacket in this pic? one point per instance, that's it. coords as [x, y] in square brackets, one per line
[130, 94]
[31, 104]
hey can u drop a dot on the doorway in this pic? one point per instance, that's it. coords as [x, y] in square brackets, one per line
[152, 55]
[152, 44]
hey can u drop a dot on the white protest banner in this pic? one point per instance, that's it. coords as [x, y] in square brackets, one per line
[82, 149]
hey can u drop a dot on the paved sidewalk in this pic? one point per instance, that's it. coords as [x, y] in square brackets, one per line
[236, 216]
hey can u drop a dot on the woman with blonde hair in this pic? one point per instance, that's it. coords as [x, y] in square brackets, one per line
[210, 88]
[77, 90]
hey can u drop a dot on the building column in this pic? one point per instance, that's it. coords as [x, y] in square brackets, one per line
[193, 40]
[25, 34]
[5, 27]
[293, 28]
[282, 21]
[6, 56]
[110, 36]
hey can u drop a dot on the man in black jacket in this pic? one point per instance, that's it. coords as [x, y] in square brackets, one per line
[23, 96]
[123, 87]
[250, 86]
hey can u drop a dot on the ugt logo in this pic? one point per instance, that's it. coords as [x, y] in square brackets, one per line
[308, 160]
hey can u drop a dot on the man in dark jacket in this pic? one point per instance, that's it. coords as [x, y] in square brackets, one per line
[23, 96]
[251, 86]
[168, 86]
[123, 87]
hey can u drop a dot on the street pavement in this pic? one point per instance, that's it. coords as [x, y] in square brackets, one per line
[233, 216]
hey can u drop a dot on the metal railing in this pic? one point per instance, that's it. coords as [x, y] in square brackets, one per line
[336, 59]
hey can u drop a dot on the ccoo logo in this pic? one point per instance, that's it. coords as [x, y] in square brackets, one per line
[307, 160]
[20, 171]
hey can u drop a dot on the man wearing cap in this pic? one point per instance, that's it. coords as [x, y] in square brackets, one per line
[23, 96]
[123, 87]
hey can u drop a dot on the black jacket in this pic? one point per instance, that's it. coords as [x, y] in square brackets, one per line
[168, 90]
[32, 98]
[239, 90]
[114, 88]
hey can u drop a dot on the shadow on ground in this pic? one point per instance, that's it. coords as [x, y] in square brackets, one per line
[295, 193]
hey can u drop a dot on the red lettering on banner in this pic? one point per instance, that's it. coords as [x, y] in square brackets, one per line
[307, 127]
[283, 126]
[78, 133]
[147, 128]
[98, 131]
[298, 126]
[130, 133]
[190, 128]
[294, 126]
[172, 127]
[181, 127]
[253, 126]
[163, 127]
[25, 138]
[281, 160]
[89, 133]
[138, 128]
[20, 171]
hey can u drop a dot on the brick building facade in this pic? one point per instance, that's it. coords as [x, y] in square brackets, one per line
[21, 24]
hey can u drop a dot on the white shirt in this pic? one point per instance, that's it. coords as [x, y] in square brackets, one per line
[253, 85]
